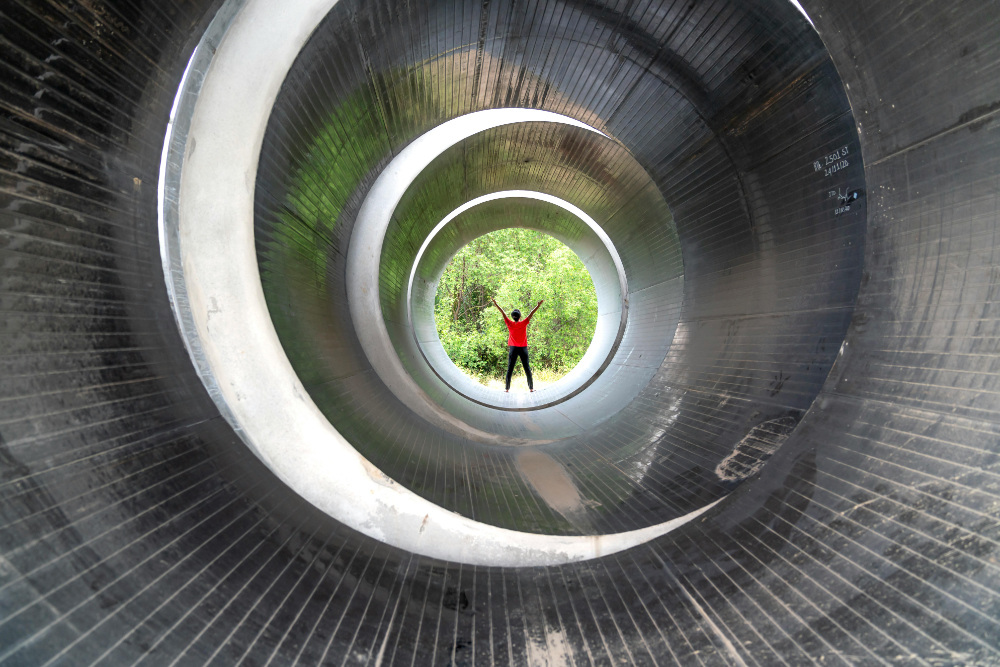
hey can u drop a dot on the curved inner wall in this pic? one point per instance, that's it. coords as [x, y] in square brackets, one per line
[703, 218]
[541, 213]
[857, 522]
[645, 275]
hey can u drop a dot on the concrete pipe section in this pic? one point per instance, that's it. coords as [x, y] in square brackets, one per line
[229, 434]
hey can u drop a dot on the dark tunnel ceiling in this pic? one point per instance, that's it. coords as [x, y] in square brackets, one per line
[136, 529]
[714, 128]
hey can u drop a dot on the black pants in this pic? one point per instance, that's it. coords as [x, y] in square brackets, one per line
[512, 354]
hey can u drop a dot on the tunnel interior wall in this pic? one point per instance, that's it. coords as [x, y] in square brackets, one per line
[135, 526]
[718, 112]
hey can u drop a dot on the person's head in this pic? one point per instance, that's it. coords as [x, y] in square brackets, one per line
[515, 314]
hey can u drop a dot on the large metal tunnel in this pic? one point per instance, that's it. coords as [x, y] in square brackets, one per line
[229, 434]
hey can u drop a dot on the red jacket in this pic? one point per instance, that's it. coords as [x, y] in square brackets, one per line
[518, 331]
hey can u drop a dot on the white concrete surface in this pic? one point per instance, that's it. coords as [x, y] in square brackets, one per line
[216, 289]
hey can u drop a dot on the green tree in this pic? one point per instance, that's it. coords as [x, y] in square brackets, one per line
[518, 267]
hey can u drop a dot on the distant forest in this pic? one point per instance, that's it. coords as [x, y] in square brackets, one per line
[517, 267]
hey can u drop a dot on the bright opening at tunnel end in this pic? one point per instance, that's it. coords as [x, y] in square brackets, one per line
[517, 267]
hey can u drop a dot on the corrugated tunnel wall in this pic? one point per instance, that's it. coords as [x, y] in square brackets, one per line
[802, 328]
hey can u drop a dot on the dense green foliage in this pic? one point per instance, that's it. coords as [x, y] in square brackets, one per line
[517, 267]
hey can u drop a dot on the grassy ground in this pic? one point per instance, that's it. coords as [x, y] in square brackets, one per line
[541, 378]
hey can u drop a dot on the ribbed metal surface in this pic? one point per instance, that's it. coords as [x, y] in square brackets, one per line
[137, 528]
[722, 179]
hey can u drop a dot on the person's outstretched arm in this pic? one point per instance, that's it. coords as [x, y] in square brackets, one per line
[501, 309]
[532, 310]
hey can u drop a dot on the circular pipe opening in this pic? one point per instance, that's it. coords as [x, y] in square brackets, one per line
[579, 232]
[653, 396]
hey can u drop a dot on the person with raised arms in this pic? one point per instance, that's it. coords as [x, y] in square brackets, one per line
[517, 341]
